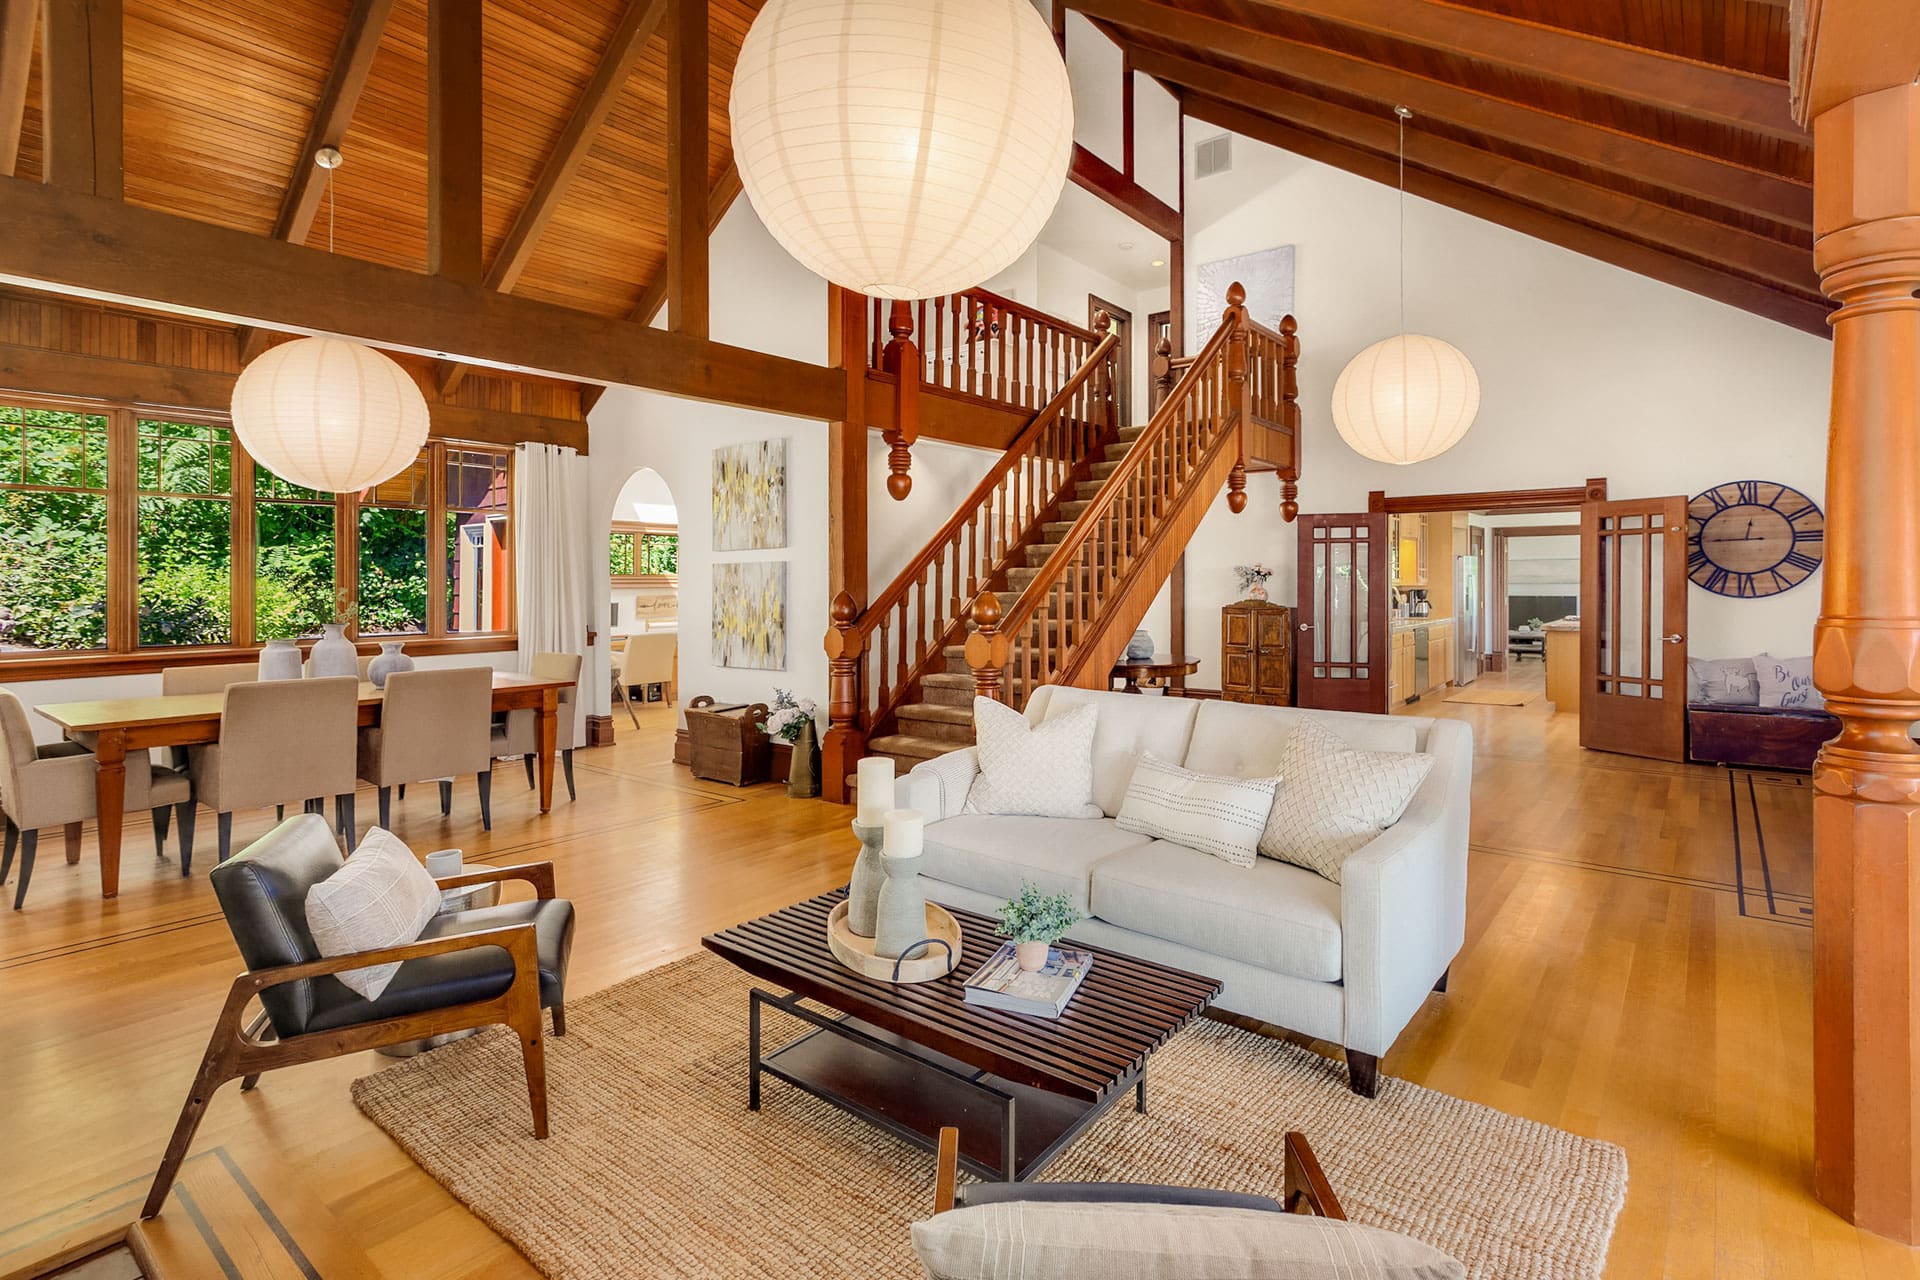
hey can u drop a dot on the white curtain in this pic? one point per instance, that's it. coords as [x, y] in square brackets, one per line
[550, 564]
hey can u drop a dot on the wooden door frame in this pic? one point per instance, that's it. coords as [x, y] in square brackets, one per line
[1307, 617]
[1496, 655]
[1123, 400]
[1637, 726]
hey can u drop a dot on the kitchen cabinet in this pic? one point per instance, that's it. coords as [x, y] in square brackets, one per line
[1400, 669]
[1409, 537]
[1439, 655]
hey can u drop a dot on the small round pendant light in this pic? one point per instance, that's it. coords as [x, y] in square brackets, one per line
[328, 414]
[902, 148]
[1410, 397]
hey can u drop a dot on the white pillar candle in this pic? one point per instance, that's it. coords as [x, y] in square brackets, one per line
[906, 833]
[873, 787]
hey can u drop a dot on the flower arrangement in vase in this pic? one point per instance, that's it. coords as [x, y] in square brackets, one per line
[1034, 921]
[790, 719]
[1253, 580]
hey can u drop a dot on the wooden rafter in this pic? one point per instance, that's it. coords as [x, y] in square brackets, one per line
[352, 60]
[1726, 95]
[1714, 243]
[453, 139]
[1643, 159]
[719, 200]
[17, 21]
[81, 95]
[1685, 273]
[687, 141]
[145, 258]
[1090, 173]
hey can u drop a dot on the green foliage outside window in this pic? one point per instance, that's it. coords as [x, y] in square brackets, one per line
[53, 529]
[637, 554]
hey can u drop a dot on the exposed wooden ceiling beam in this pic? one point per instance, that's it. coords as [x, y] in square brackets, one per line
[1790, 266]
[688, 300]
[1724, 95]
[637, 25]
[454, 80]
[17, 20]
[1643, 159]
[1846, 48]
[142, 257]
[1091, 173]
[1748, 295]
[719, 200]
[352, 60]
[81, 93]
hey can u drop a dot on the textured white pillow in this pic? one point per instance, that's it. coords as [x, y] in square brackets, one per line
[1217, 815]
[1042, 770]
[1334, 799]
[380, 897]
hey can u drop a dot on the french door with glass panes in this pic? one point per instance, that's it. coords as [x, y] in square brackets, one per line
[1633, 627]
[1343, 650]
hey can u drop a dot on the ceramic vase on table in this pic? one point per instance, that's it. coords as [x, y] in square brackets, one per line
[803, 776]
[901, 921]
[334, 654]
[869, 873]
[390, 659]
[1258, 593]
[280, 660]
[1140, 647]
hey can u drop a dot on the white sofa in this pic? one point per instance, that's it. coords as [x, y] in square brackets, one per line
[1347, 963]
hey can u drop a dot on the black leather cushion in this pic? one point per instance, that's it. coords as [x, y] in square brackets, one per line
[435, 982]
[977, 1193]
[263, 893]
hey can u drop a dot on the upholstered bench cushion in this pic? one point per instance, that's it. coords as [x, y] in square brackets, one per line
[992, 854]
[1280, 917]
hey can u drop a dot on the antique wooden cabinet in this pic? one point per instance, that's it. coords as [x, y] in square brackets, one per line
[1256, 653]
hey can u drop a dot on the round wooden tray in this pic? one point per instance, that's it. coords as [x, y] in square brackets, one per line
[856, 952]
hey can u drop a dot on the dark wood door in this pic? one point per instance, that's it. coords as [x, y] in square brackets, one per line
[1633, 627]
[1340, 663]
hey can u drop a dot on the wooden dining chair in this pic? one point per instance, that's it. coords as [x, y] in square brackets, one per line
[433, 725]
[520, 733]
[280, 741]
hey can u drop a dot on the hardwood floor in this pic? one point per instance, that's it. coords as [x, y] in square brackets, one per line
[1616, 981]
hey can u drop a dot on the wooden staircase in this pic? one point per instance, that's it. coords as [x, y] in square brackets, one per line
[1082, 557]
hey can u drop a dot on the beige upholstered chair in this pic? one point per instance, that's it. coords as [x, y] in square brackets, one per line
[521, 734]
[620, 680]
[433, 724]
[651, 659]
[53, 786]
[280, 741]
[211, 679]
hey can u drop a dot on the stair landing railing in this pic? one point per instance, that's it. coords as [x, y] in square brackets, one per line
[878, 655]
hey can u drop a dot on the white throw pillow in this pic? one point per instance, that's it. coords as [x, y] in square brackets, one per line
[1040, 770]
[1205, 811]
[380, 897]
[1334, 800]
[1787, 682]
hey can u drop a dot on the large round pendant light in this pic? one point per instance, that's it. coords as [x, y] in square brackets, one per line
[329, 415]
[1411, 397]
[902, 148]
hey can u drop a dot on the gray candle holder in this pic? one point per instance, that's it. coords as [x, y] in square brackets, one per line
[869, 874]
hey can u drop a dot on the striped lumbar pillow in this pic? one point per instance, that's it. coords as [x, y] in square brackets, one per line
[1217, 815]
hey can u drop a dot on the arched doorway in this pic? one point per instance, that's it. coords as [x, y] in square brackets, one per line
[643, 592]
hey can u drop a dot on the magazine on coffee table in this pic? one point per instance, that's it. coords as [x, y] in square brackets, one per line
[1000, 983]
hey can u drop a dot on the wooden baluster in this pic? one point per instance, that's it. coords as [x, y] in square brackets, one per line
[919, 618]
[986, 647]
[844, 742]
[880, 657]
[900, 682]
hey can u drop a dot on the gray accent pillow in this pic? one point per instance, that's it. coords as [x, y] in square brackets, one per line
[1787, 682]
[1024, 1240]
[1726, 682]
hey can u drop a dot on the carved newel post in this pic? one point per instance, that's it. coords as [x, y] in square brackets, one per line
[1236, 315]
[1290, 399]
[1106, 403]
[1866, 808]
[1162, 369]
[845, 741]
[986, 647]
[901, 358]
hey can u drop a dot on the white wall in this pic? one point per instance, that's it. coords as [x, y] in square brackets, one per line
[1585, 370]
[646, 498]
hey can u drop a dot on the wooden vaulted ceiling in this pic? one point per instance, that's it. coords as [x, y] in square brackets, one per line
[225, 101]
[1653, 134]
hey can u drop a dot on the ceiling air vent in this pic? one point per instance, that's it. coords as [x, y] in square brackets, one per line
[1214, 155]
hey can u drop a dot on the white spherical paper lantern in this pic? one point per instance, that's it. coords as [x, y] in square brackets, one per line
[329, 415]
[902, 148]
[1406, 399]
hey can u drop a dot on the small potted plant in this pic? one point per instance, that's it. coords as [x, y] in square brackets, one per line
[1035, 921]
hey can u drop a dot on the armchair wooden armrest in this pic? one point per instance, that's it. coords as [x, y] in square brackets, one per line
[537, 874]
[947, 1170]
[517, 940]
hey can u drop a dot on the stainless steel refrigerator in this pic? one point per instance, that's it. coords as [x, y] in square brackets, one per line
[1468, 627]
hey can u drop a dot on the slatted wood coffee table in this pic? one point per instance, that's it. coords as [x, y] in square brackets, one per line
[914, 1058]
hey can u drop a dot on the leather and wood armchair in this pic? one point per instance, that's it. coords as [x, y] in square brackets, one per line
[499, 964]
[53, 786]
[280, 740]
[520, 735]
[433, 725]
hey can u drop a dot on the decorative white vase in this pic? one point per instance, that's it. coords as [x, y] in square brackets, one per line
[280, 660]
[390, 659]
[1140, 646]
[1031, 956]
[333, 654]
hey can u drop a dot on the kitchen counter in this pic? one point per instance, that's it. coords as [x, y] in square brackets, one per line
[1414, 624]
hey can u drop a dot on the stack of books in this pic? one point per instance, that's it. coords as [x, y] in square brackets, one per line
[1001, 984]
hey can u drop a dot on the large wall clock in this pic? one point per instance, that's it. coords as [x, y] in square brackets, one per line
[1752, 538]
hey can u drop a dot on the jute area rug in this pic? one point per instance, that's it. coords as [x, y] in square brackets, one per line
[656, 1168]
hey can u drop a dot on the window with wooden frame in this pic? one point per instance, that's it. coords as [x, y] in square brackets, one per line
[644, 555]
[130, 540]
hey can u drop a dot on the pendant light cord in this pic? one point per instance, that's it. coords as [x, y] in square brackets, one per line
[1402, 121]
[330, 233]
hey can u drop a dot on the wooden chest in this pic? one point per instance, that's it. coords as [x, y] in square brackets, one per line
[727, 742]
[1256, 653]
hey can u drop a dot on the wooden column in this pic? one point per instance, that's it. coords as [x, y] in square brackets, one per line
[81, 92]
[687, 297]
[453, 139]
[1866, 809]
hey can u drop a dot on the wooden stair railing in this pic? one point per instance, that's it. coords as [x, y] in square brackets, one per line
[1073, 620]
[877, 656]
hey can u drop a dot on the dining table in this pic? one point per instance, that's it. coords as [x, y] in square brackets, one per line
[112, 727]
